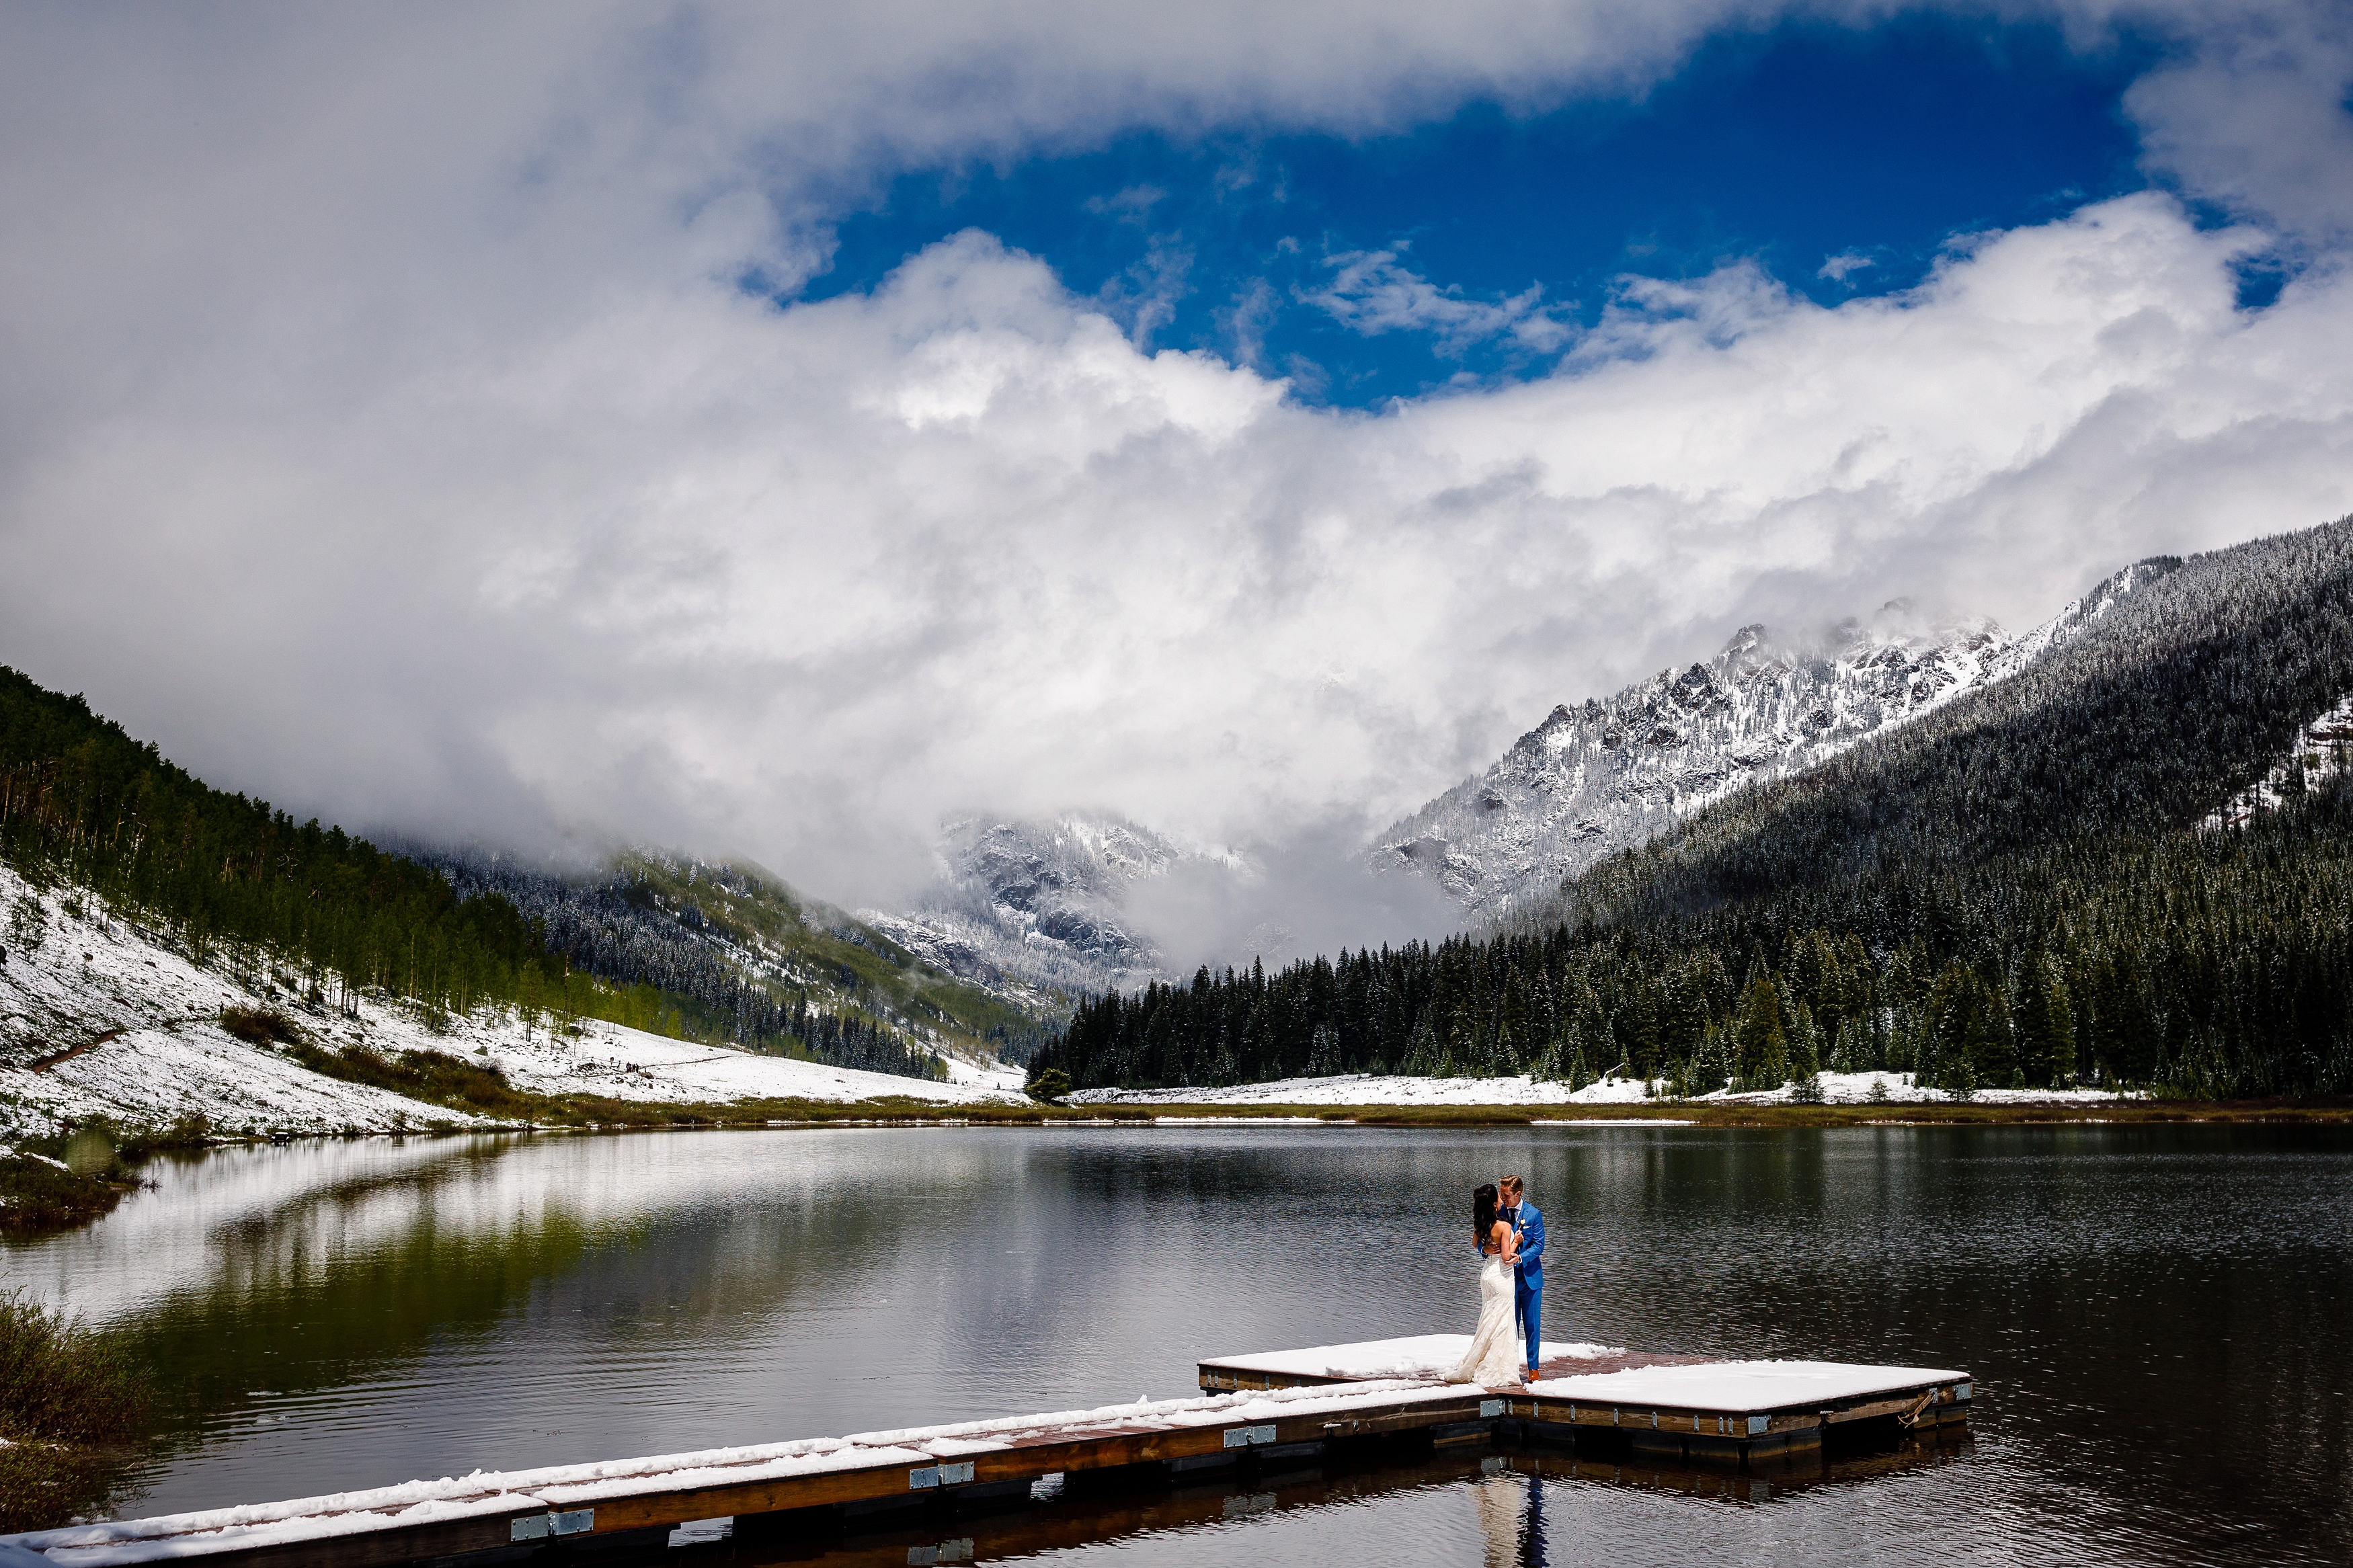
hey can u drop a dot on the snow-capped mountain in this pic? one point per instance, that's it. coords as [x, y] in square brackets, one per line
[1611, 772]
[1042, 903]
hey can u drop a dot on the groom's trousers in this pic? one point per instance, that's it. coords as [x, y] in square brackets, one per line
[1529, 1295]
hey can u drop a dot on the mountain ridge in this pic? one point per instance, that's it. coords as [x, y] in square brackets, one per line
[2128, 864]
[1040, 903]
[1609, 774]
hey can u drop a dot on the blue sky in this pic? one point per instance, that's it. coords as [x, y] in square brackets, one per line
[1788, 147]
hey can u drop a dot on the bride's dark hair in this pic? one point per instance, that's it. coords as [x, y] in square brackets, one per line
[1482, 1213]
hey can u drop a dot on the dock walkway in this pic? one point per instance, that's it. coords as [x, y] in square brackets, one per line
[1261, 1408]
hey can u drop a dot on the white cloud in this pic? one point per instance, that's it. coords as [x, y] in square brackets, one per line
[2254, 117]
[380, 429]
[1844, 265]
[1132, 204]
[1372, 292]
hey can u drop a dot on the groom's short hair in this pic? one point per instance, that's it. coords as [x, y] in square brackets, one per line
[1510, 1183]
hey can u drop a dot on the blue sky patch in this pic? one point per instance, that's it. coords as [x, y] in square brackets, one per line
[1471, 250]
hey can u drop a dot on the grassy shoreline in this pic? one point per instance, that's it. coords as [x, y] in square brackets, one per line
[73, 1405]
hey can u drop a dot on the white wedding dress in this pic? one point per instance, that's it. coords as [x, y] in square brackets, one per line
[1495, 1357]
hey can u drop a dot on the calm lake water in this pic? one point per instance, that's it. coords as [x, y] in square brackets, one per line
[2156, 1318]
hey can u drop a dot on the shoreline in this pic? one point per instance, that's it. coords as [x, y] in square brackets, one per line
[29, 1172]
[758, 1115]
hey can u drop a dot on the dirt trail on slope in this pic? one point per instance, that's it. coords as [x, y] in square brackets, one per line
[43, 1064]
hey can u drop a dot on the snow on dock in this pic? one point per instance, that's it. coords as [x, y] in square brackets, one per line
[1302, 1402]
[1696, 1406]
[1740, 1386]
[1421, 1357]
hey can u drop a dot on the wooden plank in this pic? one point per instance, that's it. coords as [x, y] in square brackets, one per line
[1025, 1458]
[1779, 1419]
[1422, 1413]
[1875, 1409]
[1032, 1459]
[1431, 1413]
[370, 1549]
[635, 1510]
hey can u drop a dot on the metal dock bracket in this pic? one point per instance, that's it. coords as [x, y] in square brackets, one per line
[939, 1476]
[540, 1526]
[1248, 1436]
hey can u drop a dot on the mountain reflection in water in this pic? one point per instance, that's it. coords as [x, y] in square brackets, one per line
[2154, 1316]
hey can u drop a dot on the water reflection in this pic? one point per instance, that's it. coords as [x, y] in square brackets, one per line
[1465, 1505]
[1506, 1504]
[2154, 1314]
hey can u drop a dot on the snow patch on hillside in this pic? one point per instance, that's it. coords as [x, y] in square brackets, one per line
[2321, 750]
[102, 1018]
[1367, 1088]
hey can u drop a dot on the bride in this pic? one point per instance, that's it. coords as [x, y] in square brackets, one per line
[1494, 1358]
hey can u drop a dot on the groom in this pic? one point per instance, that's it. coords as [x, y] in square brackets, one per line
[1527, 1222]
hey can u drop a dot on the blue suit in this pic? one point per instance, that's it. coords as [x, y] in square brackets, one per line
[1528, 1285]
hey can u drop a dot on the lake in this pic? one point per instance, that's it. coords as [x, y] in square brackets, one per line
[2155, 1318]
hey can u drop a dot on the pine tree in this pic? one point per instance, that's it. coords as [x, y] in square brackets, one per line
[1760, 1041]
[2045, 1023]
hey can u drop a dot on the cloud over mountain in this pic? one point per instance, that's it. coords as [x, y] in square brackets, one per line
[390, 423]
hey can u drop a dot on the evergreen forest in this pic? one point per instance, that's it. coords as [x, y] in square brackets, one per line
[2029, 887]
[237, 884]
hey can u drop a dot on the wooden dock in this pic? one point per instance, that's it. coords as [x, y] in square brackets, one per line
[1259, 1410]
[1685, 1407]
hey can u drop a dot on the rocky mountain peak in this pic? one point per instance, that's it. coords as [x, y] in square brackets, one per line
[1040, 899]
[1609, 772]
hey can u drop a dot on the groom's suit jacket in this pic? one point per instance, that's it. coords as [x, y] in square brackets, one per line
[1528, 1220]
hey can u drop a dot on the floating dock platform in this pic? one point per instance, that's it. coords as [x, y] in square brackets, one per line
[1265, 1409]
[1685, 1407]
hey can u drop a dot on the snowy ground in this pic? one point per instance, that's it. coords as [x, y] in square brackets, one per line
[155, 1050]
[1363, 1089]
[2321, 750]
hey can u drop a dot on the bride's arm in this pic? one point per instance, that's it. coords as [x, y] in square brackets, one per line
[1507, 1242]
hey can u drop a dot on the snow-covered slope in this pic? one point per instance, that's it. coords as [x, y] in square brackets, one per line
[1022, 904]
[2320, 750]
[1611, 772]
[100, 1020]
[711, 930]
[1366, 1089]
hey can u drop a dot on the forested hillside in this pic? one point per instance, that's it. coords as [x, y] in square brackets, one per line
[84, 805]
[2185, 693]
[2017, 890]
[746, 958]
[237, 884]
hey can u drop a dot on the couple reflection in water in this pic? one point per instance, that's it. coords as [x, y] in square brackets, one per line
[1511, 1517]
[1507, 1346]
